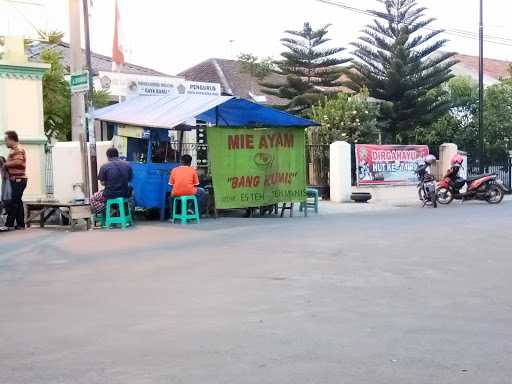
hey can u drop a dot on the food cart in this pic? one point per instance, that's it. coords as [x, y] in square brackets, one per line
[143, 133]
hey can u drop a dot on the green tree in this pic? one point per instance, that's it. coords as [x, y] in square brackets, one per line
[400, 65]
[459, 124]
[52, 37]
[56, 98]
[498, 119]
[350, 118]
[56, 92]
[101, 99]
[311, 68]
[257, 68]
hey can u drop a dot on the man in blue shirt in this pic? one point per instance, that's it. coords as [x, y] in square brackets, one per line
[115, 176]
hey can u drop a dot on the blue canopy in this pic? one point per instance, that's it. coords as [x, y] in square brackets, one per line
[245, 113]
[170, 111]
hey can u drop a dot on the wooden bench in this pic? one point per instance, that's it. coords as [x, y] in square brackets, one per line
[40, 212]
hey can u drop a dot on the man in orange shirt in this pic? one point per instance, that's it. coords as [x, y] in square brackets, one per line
[184, 181]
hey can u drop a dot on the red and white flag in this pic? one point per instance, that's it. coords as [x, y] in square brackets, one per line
[117, 52]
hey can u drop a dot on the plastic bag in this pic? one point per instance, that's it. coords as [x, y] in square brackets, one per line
[6, 195]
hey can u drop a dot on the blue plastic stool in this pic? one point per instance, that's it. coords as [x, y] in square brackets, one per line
[184, 215]
[99, 218]
[125, 214]
[311, 193]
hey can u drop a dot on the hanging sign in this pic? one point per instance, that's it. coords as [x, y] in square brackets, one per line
[257, 167]
[388, 164]
[79, 82]
[129, 84]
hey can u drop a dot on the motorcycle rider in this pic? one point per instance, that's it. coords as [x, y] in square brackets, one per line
[425, 176]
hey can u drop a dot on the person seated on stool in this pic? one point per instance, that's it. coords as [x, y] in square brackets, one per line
[185, 182]
[115, 176]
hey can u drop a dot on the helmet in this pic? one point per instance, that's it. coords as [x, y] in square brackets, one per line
[430, 159]
[457, 160]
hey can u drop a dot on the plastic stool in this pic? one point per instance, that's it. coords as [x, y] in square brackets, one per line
[99, 218]
[125, 214]
[184, 215]
[311, 193]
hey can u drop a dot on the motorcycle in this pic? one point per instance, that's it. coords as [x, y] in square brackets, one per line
[485, 187]
[426, 186]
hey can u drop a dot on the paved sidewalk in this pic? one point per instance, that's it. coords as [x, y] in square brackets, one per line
[328, 207]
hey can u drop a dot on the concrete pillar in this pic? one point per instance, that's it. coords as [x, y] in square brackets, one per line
[446, 152]
[340, 174]
[21, 110]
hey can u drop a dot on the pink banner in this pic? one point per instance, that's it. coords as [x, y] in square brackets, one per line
[388, 164]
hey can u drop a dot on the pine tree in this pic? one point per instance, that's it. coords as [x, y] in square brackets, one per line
[401, 64]
[310, 68]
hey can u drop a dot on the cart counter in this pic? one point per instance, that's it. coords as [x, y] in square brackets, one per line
[151, 185]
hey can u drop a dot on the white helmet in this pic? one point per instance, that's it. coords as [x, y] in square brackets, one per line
[430, 159]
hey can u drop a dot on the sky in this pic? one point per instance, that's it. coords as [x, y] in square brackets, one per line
[172, 35]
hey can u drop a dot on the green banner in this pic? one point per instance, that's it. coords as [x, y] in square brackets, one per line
[256, 167]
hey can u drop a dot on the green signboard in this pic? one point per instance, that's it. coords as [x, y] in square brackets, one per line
[257, 167]
[79, 82]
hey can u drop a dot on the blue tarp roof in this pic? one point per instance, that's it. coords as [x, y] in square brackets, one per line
[169, 111]
[245, 113]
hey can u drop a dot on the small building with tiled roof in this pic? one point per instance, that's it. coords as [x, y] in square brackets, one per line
[233, 80]
[236, 82]
[99, 62]
[494, 70]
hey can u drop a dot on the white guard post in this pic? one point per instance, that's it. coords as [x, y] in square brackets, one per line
[340, 172]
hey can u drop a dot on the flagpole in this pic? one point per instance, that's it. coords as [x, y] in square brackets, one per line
[90, 105]
[117, 54]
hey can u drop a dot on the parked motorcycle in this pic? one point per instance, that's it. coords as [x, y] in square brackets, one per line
[427, 184]
[485, 187]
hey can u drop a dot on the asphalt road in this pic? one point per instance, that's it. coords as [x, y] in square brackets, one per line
[408, 295]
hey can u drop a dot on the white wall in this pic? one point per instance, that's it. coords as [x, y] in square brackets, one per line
[67, 166]
[21, 110]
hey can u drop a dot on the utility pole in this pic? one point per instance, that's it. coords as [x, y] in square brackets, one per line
[77, 63]
[90, 105]
[481, 89]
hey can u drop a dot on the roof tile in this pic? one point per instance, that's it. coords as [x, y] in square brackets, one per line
[232, 79]
[99, 62]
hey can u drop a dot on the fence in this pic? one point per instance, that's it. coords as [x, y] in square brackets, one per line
[317, 164]
[502, 168]
[48, 170]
